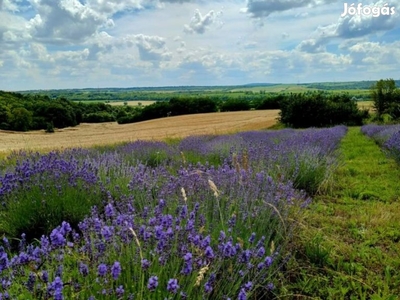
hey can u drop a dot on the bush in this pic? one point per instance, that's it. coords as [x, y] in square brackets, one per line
[98, 117]
[50, 128]
[319, 110]
[235, 105]
[130, 118]
[272, 102]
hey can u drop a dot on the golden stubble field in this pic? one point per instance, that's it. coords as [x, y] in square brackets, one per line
[86, 135]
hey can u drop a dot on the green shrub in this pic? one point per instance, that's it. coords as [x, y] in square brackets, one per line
[98, 117]
[235, 105]
[50, 128]
[320, 110]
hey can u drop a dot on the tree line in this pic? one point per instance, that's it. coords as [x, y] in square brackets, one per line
[23, 112]
[31, 112]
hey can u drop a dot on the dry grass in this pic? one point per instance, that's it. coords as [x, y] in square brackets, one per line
[86, 135]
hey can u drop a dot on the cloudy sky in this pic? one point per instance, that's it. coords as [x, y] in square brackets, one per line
[56, 44]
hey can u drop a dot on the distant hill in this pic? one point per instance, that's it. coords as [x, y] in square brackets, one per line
[259, 84]
[350, 85]
[344, 85]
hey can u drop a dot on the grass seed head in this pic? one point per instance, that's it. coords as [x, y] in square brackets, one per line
[200, 276]
[184, 194]
[213, 188]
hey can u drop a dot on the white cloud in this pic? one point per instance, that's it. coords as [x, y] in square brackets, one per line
[199, 23]
[263, 8]
[95, 43]
[312, 46]
[152, 48]
[65, 21]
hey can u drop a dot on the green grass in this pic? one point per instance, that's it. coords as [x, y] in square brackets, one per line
[348, 244]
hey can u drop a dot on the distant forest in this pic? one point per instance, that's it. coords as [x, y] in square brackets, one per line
[23, 112]
[360, 90]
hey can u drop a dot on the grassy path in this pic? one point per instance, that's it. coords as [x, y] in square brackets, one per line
[349, 243]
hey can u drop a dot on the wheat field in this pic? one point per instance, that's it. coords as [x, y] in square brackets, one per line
[86, 135]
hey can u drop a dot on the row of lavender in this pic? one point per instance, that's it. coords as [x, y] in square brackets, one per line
[145, 221]
[387, 136]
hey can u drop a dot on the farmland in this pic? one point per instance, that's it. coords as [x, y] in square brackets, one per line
[360, 90]
[86, 135]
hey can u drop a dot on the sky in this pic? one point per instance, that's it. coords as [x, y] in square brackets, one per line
[60, 44]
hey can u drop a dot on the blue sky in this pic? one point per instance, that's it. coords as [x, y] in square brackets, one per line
[57, 44]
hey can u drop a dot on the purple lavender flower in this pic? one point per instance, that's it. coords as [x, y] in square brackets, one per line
[153, 283]
[107, 232]
[245, 256]
[188, 257]
[45, 276]
[206, 242]
[59, 271]
[3, 259]
[55, 288]
[270, 286]
[252, 237]
[209, 253]
[261, 252]
[102, 270]
[268, 261]
[222, 236]
[119, 291]
[145, 264]
[57, 239]
[242, 295]
[83, 269]
[172, 286]
[187, 267]
[229, 250]
[65, 228]
[5, 284]
[208, 287]
[248, 286]
[6, 243]
[31, 282]
[116, 270]
[109, 210]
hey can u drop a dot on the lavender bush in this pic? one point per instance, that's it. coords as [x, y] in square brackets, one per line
[306, 158]
[387, 136]
[380, 133]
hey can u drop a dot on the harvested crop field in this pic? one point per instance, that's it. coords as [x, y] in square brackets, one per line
[86, 135]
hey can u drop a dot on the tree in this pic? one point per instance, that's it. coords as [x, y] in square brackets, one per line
[319, 110]
[21, 119]
[384, 94]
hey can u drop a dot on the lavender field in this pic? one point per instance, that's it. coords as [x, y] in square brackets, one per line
[387, 136]
[208, 217]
